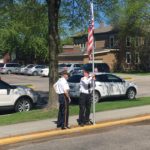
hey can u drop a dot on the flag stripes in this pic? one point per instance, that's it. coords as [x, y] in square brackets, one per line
[90, 44]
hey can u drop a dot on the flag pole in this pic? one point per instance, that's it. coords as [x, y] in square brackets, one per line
[93, 66]
[93, 87]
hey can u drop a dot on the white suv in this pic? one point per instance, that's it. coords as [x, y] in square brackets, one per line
[107, 85]
[18, 97]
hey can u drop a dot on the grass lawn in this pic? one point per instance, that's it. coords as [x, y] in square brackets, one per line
[74, 110]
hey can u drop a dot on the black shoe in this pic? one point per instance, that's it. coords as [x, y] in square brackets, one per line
[63, 128]
[87, 123]
[81, 124]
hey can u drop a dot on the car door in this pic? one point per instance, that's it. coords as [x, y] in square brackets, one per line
[102, 85]
[117, 86]
[6, 97]
[38, 69]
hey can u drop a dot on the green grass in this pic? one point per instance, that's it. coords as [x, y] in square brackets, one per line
[74, 110]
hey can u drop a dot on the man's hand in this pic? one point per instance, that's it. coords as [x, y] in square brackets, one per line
[93, 76]
[69, 100]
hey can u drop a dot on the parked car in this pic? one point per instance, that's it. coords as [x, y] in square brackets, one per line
[19, 98]
[76, 71]
[106, 85]
[69, 67]
[44, 72]
[9, 67]
[23, 69]
[35, 70]
[98, 67]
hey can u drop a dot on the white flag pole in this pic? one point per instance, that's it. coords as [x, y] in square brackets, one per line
[93, 66]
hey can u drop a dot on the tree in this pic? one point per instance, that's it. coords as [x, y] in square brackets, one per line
[132, 18]
[23, 29]
[73, 14]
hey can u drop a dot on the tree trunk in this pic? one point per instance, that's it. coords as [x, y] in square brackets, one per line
[54, 48]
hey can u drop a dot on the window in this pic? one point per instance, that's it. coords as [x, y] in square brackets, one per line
[1, 65]
[30, 66]
[112, 78]
[128, 57]
[94, 44]
[101, 78]
[111, 41]
[12, 65]
[137, 58]
[101, 67]
[68, 65]
[77, 65]
[75, 79]
[4, 85]
[128, 41]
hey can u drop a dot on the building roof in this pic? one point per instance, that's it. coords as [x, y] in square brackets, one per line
[77, 53]
[104, 29]
[101, 29]
[71, 53]
[68, 46]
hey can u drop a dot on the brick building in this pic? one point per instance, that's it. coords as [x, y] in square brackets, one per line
[119, 55]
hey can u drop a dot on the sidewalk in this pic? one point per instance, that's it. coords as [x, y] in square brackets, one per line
[49, 124]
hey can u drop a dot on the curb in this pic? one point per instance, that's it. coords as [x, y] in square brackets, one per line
[56, 132]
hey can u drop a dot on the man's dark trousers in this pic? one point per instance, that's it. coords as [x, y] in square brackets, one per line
[85, 106]
[63, 113]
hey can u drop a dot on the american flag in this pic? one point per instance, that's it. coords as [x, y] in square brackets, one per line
[90, 44]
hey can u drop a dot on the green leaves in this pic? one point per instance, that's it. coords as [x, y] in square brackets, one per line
[23, 29]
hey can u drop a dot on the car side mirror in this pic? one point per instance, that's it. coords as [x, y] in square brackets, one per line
[8, 91]
[123, 80]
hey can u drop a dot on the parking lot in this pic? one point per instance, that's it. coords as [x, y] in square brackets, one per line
[40, 84]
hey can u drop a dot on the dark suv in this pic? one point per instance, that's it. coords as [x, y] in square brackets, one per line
[98, 67]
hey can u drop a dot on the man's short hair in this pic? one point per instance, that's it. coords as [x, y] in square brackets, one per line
[64, 72]
[85, 70]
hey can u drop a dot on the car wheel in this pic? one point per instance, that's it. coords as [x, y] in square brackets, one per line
[23, 104]
[35, 73]
[97, 97]
[9, 72]
[130, 93]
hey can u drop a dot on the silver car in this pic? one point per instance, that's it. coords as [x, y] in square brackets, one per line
[19, 98]
[24, 69]
[106, 85]
[9, 67]
[35, 70]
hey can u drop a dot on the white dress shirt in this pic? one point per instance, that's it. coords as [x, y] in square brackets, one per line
[62, 85]
[84, 84]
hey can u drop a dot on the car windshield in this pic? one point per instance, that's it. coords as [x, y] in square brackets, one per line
[101, 67]
[68, 65]
[30, 66]
[4, 85]
[1, 65]
[75, 78]
[61, 65]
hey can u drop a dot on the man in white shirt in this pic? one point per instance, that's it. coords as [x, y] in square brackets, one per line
[64, 100]
[85, 98]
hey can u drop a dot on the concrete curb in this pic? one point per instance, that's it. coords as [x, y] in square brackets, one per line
[56, 132]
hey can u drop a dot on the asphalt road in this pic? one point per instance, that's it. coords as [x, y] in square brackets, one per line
[126, 137]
